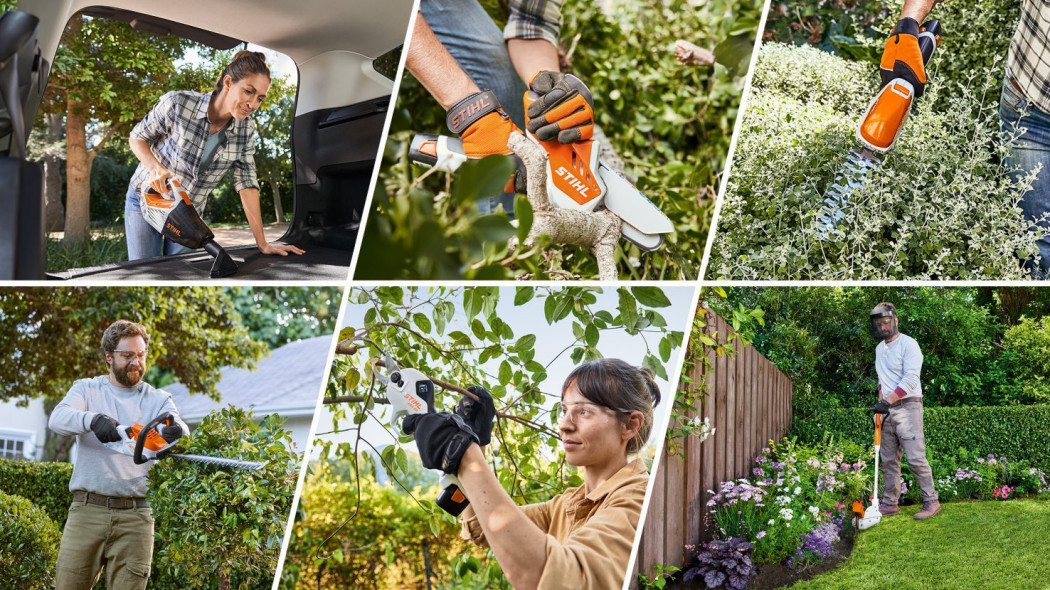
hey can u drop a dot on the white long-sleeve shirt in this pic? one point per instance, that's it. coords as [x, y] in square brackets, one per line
[899, 364]
[98, 468]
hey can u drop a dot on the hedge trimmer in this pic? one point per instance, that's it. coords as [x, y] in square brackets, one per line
[877, 132]
[145, 443]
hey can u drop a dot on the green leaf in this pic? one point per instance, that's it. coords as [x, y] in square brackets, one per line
[523, 295]
[590, 335]
[473, 300]
[484, 178]
[353, 377]
[523, 212]
[651, 296]
[526, 342]
[505, 372]
[665, 349]
[422, 322]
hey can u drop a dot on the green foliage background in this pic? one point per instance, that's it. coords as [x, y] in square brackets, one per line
[913, 218]
[46, 483]
[670, 123]
[29, 544]
[1021, 433]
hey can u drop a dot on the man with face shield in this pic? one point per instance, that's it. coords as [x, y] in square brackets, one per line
[898, 361]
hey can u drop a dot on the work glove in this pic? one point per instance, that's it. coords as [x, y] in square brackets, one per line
[564, 110]
[478, 414]
[441, 438]
[171, 433]
[485, 128]
[105, 429]
[901, 57]
[881, 407]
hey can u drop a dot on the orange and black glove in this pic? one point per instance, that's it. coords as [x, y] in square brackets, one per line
[901, 57]
[485, 128]
[564, 109]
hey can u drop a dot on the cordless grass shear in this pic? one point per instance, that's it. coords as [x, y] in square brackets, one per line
[411, 392]
[145, 443]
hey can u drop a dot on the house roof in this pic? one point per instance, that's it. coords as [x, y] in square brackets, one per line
[288, 382]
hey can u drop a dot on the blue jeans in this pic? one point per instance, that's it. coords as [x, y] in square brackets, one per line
[477, 45]
[143, 240]
[1026, 153]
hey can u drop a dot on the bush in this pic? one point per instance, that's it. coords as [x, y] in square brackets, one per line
[906, 221]
[46, 484]
[1026, 358]
[28, 546]
[1021, 433]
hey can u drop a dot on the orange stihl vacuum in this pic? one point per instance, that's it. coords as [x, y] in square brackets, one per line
[877, 132]
[576, 179]
[144, 443]
[172, 214]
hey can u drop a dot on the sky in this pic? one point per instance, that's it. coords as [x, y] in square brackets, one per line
[529, 318]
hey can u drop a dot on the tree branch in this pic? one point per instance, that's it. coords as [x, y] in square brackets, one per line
[691, 55]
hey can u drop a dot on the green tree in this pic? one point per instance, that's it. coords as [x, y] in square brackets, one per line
[53, 337]
[105, 77]
[280, 316]
[273, 156]
[470, 343]
[217, 523]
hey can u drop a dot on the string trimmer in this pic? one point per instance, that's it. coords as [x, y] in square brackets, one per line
[877, 132]
[172, 214]
[867, 518]
[144, 443]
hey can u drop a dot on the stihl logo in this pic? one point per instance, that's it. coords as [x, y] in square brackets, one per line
[574, 182]
[415, 404]
[470, 110]
[173, 229]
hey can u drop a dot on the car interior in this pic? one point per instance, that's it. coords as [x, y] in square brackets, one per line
[340, 111]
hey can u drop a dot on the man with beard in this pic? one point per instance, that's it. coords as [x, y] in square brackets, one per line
[110, 523]
[898, 361]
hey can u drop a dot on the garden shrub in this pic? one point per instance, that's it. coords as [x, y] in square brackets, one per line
[46, 484]
[911, 219]
[723, 564]
[1021, 433]
[1026, 358]
[809, 75]
[28, 545]
[235, 517]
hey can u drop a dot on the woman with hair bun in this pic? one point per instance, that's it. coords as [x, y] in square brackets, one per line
[581, 538]
[197, 137]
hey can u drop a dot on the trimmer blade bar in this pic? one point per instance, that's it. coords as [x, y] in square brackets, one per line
[850, 177]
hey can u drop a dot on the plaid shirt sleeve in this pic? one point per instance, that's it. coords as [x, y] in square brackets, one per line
[244, 175]
[158, 122]
[534, 19]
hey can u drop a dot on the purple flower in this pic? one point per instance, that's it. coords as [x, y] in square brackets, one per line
[760, 535]
[758, 472]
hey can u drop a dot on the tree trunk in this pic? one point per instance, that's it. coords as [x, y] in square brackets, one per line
[224, 581]
[78, 176]
[278, 210]
[56, 446]
[53, 211]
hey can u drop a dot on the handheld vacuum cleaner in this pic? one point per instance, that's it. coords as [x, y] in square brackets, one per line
[172, 214]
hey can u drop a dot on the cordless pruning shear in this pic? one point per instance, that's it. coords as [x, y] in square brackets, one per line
[411, 392]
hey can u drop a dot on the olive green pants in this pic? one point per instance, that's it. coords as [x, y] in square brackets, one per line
[96, 536]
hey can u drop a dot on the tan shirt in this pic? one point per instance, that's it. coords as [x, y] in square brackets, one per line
[589, 536]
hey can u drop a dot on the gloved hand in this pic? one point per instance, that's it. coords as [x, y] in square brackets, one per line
[901, 57]
[105, 428]
[479, 415]
[171, 433]
[881, 407]
[441, 438]
[564, 110]
[485, 128]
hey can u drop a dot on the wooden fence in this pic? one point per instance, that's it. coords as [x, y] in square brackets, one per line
[748, 401]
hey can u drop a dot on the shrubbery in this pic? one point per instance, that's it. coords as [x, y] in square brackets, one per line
[913, 218]
[1021, 433]
[28, 544]
[47, 484]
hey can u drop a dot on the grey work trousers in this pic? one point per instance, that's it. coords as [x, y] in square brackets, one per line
[96, 536]
[902, 435]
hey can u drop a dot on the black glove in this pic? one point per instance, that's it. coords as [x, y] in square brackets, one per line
[171, 433]
[881, 407]
[105, 428]
[441, 438]
[901, 57]
[478, 414]
[564, 110]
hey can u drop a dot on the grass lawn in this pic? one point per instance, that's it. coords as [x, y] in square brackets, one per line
[105, 247]
[969, 546]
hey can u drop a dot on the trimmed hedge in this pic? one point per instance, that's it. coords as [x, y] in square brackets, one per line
[46, 485]
[1018, 432]
[28, 545]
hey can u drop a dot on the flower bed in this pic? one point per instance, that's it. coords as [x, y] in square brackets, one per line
[791, 517]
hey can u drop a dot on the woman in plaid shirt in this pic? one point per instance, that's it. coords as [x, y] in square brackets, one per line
[196, 137]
